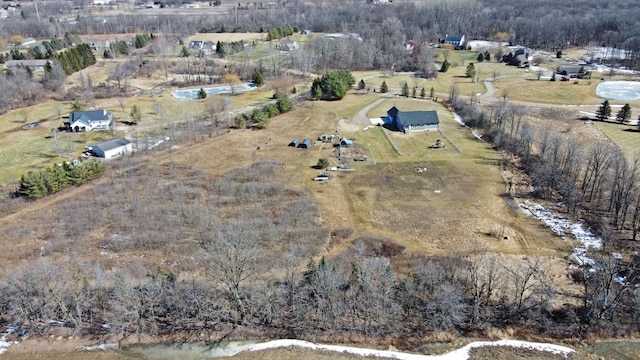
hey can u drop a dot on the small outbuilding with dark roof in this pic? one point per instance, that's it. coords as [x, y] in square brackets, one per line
[412, 120]
[305, 144]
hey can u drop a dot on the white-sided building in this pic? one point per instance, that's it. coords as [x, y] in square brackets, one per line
[111, 148]
[90, 120]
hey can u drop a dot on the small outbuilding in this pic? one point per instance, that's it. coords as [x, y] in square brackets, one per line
[294, 143]
[305, 144]
[346, 143]
[111, 148]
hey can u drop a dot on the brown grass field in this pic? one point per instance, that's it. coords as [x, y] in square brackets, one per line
[459, 205]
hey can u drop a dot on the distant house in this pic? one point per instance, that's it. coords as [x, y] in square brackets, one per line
[28, 41]
[457, 41]
[209, 47]
[288, 45]
[33, 65]
[574, 72]
[519, 57]
[111, 148]
[90, 120]
[412, 120]
[410, 45]
[196, 44]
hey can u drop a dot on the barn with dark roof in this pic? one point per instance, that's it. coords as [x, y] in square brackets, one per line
[412, 120]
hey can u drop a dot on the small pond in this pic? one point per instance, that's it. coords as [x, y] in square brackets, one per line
[619, 90]
[189, 94]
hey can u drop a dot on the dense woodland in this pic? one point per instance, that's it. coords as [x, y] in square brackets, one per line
[545, 25]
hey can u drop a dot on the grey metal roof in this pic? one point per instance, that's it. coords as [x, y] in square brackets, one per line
[86, 117]
[414, 118]
[111, 144]
[418, 118]
[451, 38]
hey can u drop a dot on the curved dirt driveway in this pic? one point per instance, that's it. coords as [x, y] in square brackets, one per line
[361, 117]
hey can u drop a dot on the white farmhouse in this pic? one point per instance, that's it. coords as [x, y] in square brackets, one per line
[90, 120]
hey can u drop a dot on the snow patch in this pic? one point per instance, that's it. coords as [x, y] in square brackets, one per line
[564, 227]
[459, 354]
[4, 344]
[98, 347]
[483, 44]
[457, 118]
[190, 94]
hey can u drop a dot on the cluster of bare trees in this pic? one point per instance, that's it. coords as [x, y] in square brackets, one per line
[525, 23]
[226, 252]
[595, 179]
[364, 296]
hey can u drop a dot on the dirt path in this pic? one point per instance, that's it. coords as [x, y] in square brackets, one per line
[361, 117]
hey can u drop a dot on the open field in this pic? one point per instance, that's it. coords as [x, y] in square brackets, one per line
[473, 209]
[450, 201]
[625, 136]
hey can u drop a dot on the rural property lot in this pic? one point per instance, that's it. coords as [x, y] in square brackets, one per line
[445, 209]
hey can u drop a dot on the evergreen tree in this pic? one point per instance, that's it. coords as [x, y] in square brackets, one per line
[184, 52]
[332, 85]
[480, 57]
[423, 93]
[604, 111]
[135, 114]
[322, 163]
[257, 77]
[445, 66]
[32, 185]
[413, 92]
[405, 90]
[260, 118]
[624, 114]
[487, 56]
[384, 88]
[432, 92]
[201, 94]
[240, 121]
[284, 104]
[361, 85]
[471, 71]
[76, 105]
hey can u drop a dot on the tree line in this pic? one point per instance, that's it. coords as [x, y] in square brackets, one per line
[537, 26]
[225, 228]
[593, 180]
[39, 183]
